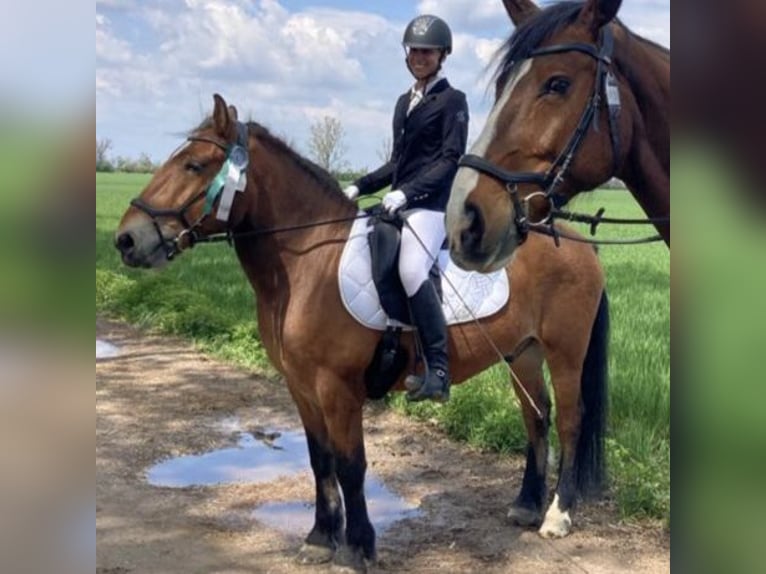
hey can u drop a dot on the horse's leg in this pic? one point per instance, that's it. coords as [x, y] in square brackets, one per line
[565, 378]
[343, 418]
[527, 509]
[579, 378]
[324, 537]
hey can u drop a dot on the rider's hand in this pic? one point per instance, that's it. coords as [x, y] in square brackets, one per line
[393, 201]
[351, 192]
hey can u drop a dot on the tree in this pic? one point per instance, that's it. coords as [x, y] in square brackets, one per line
[326, 144]
[385, 149]
[102, 162]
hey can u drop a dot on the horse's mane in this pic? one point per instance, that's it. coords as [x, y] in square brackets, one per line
[320, 175]
[529, 35]
[317, 173]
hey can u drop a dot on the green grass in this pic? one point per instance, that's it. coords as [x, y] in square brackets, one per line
[204, 296]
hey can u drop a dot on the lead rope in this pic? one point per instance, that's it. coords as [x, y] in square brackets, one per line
[482, 330]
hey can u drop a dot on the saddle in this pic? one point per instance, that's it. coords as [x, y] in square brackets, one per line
[385, 243]
[373, 294]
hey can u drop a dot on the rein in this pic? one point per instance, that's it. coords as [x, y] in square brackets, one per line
[230, 236]
[548, 227]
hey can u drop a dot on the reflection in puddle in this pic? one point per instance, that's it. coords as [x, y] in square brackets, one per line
[383, 506]
[105, 350]
[265, 455]
[261, 459]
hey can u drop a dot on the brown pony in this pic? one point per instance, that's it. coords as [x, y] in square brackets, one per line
[557, 313]
[579, 99]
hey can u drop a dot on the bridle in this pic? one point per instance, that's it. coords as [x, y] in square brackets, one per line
[229, 179]
[549, 181]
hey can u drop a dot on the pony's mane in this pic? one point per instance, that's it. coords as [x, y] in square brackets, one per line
[529, 35]
[320, 175]
[317, 173]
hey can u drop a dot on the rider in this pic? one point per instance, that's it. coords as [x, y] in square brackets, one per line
[430, 128]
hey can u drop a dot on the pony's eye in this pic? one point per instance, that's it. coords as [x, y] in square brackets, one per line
[194, 167]
[557, 85]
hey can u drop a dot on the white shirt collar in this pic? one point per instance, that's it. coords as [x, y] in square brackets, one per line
[438, 77]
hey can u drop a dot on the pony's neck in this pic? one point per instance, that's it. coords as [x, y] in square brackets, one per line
[286, 197]
[289, 190]
[646, 171]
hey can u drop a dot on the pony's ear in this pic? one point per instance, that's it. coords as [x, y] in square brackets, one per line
[224, 118]
[596, 13]
[520, 10]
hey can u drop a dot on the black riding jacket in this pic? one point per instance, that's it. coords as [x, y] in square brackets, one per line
[427, 145]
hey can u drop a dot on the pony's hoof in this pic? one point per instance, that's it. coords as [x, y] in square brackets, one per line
[348, 561]
[521, 516]
[314, 554]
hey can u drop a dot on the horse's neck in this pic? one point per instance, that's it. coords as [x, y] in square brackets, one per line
[287, 249]
[647, 169]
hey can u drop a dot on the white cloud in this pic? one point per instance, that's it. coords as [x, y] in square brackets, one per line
[466, 14]
[109, 48]
[163, 59]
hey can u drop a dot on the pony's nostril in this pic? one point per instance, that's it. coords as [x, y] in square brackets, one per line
[124, 242]
[472, 234]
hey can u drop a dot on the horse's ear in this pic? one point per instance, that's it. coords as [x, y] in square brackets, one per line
[520, 10]
[224, 118]
[596, 13]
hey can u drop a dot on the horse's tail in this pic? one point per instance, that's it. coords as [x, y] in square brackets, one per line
[590, 457]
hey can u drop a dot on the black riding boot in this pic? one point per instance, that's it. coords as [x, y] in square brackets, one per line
[428, 317]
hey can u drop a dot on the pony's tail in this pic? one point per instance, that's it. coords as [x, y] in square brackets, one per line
[590, 457]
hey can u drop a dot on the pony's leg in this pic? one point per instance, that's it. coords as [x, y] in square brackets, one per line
[324, 537]
[343, 418]
[527, 509]
[566, 387]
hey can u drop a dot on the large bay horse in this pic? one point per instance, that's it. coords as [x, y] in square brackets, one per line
[579, 99]
[557, 312]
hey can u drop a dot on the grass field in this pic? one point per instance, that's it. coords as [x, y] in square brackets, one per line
[205, 297]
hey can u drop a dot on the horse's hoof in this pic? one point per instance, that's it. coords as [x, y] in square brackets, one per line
[558, 530]
[521, 516]
[556, 526]
[557, 523]
[314, 554]
[348, 561]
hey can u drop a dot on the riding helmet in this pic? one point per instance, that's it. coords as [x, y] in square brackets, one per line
[427, 31]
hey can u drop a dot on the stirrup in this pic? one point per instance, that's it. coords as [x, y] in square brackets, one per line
[437, 390]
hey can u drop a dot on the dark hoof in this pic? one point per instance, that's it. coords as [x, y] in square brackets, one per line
[348, 561]
[314, 554]
[521, 516]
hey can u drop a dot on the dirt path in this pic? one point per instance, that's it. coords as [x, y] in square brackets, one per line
[160, 399]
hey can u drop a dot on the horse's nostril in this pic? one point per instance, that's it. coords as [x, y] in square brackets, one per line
[472, 234]
[124, 242]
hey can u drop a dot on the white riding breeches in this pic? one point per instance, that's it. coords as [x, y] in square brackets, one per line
[422, 236]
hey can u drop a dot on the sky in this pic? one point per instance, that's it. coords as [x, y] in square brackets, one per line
[287, 64]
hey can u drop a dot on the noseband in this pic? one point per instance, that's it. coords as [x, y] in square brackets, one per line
[230, 178]
[549, 181]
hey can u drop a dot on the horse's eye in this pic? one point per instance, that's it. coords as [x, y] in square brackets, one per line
[194, 167]
[557, 85]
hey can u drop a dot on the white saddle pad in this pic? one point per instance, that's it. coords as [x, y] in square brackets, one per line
[466, 294]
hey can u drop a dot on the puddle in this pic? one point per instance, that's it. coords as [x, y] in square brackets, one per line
[384, 507]
[265, 455]
[259, 457]
[105, 350]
